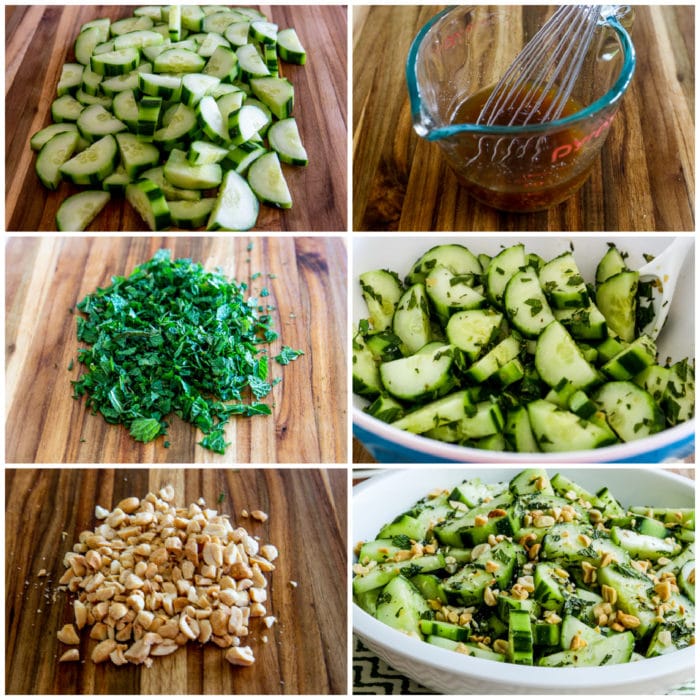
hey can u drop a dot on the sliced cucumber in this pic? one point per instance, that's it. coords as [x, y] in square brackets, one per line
[91, 166]
[276, 93]
[78, 211]
[148, 200]
[55, 152]
[289, 47]
[191, 214]
[266, 179]
[136, 156]
[236, 207]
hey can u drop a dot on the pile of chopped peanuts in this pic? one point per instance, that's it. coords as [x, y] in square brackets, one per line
[152, 577]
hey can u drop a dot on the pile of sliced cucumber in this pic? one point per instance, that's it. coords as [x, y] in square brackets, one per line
[515, 353]
[535, 572]
[182, 110]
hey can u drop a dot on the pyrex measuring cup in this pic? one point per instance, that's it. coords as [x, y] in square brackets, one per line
[462, 52]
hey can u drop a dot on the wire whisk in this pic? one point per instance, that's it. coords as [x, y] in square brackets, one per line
[538, 83]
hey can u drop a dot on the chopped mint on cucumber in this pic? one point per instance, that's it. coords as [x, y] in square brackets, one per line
[536, 571]
[205, 82]
[515, 353]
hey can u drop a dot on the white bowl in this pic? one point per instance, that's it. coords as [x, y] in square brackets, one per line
[379, 499]
[676, 341]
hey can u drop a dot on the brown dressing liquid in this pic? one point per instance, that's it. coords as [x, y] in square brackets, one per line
[525, 173]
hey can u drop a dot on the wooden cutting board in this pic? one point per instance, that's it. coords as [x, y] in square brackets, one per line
[306, 649]
[39, 40]
[46, 277]
[643, 181]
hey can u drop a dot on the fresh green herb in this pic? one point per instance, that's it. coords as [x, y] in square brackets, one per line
[70, 364]
[173, 338]
[287, 354]
[221, 497]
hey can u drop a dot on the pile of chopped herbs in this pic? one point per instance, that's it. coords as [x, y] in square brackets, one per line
[173, 338]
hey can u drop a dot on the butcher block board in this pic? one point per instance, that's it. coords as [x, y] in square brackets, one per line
[644, 179]
[306, 650]
[47, 276]
[39, 39]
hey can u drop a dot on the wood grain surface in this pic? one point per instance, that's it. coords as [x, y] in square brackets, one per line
[306, 650]
[39, 39]
[643, 181]
[46, 277]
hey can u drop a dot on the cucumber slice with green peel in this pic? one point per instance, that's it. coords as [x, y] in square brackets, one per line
[236, 207]
[251, 62]
[149, 109]
[170, 191]
[209, 43]
[78, 211]
[102, 25]
[456, 258]
[211, 121]
[116, 62]
[71, 78]
[168, 87]
[615, 649]
[289, 47]
[270, 58]
[266, 179]
[500, 269]
[612, 263]
[412, 319]
[643, 546]
[130, 24]
[617, 300]
[190, 214]
[526, 306]
[631, 412]
[91, 166]
[241, 157]
[175, 22]
[222, 64]
[448, 409]
[126, 108]
[203, 152]
[181, 126]
[195, 86]
[631, 360]
[138, 39]
[560, 362]
[55, 152]
[246, 123]
[450, 293]
[228, 103]
[86, 42]
[179, 172]
[129, 81]
[178, 61]
[136, 155]
[276, 93]
[217, 22]
[41, 137]
[381, 290]
[420, 376]
[148, 200]
[116, 182]
[487, 366]
[66, 109]
[88, 100]
[263, 32]
[563, 283]
[558, 430]
[91, 82]
[191, 17]
[520, 645]
[678, 400]
[237, 33]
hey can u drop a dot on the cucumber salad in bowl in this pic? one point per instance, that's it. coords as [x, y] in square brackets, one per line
[534, 569]
[517, 348]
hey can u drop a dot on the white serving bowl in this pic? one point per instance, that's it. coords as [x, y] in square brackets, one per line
[381, 498]
[677, 340]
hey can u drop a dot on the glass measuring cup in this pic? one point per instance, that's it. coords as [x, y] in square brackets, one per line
[455, 61]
